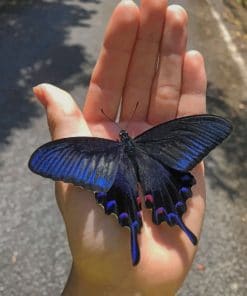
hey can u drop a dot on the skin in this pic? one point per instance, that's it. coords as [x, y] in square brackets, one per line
[135, 38]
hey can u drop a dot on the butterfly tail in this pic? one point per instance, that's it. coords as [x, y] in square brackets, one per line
[135, 251]
[189, 233]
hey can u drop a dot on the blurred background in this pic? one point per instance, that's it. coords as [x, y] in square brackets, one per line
[57, 42]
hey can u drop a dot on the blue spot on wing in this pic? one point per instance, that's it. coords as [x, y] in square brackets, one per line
[183, 162]
[102, 182]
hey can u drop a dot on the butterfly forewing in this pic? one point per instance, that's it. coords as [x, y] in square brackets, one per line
[83, 161]
[182, 143]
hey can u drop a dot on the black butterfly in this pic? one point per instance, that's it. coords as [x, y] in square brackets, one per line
[159, 159]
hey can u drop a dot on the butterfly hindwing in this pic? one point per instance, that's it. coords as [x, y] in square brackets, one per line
[182, 143]
[83, 161]
[166, 192]
[122, 200]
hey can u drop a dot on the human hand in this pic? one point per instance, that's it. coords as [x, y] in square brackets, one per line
[127, 68]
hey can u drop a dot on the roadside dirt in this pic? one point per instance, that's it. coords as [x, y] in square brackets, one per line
[235, 17]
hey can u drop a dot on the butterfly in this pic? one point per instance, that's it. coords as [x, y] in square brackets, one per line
[158, 159]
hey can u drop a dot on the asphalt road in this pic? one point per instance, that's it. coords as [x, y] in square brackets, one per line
[58, 42]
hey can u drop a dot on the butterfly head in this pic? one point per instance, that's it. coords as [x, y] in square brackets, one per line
[124, 136]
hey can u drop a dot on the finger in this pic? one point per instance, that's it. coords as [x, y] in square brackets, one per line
[193, 101]
[64, 117]
[109, 74]
[167, 83]
[193, 95]
[143, 63]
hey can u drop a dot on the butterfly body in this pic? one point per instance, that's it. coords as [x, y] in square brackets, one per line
[126, 140]
[159, 160]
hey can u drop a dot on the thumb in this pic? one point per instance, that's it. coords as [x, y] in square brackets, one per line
[64, 117]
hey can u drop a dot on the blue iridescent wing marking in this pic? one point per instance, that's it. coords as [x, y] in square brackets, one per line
[182, 143]
[88, 162]
[122, 200]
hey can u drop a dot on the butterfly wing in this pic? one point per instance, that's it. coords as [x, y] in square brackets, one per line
[165, 154]
[166, 191]
[122, 200]
[99, 165]
[182, 143]
[83, 161]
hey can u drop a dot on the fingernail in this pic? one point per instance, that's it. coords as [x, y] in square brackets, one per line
[37, 89]
[39, 93]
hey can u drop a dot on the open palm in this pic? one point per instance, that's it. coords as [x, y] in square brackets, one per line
[144, 59]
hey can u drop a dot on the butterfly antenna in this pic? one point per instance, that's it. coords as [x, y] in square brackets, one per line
[133, 114]
[102, 111]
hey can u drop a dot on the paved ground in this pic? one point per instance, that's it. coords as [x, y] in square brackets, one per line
[58, 42]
